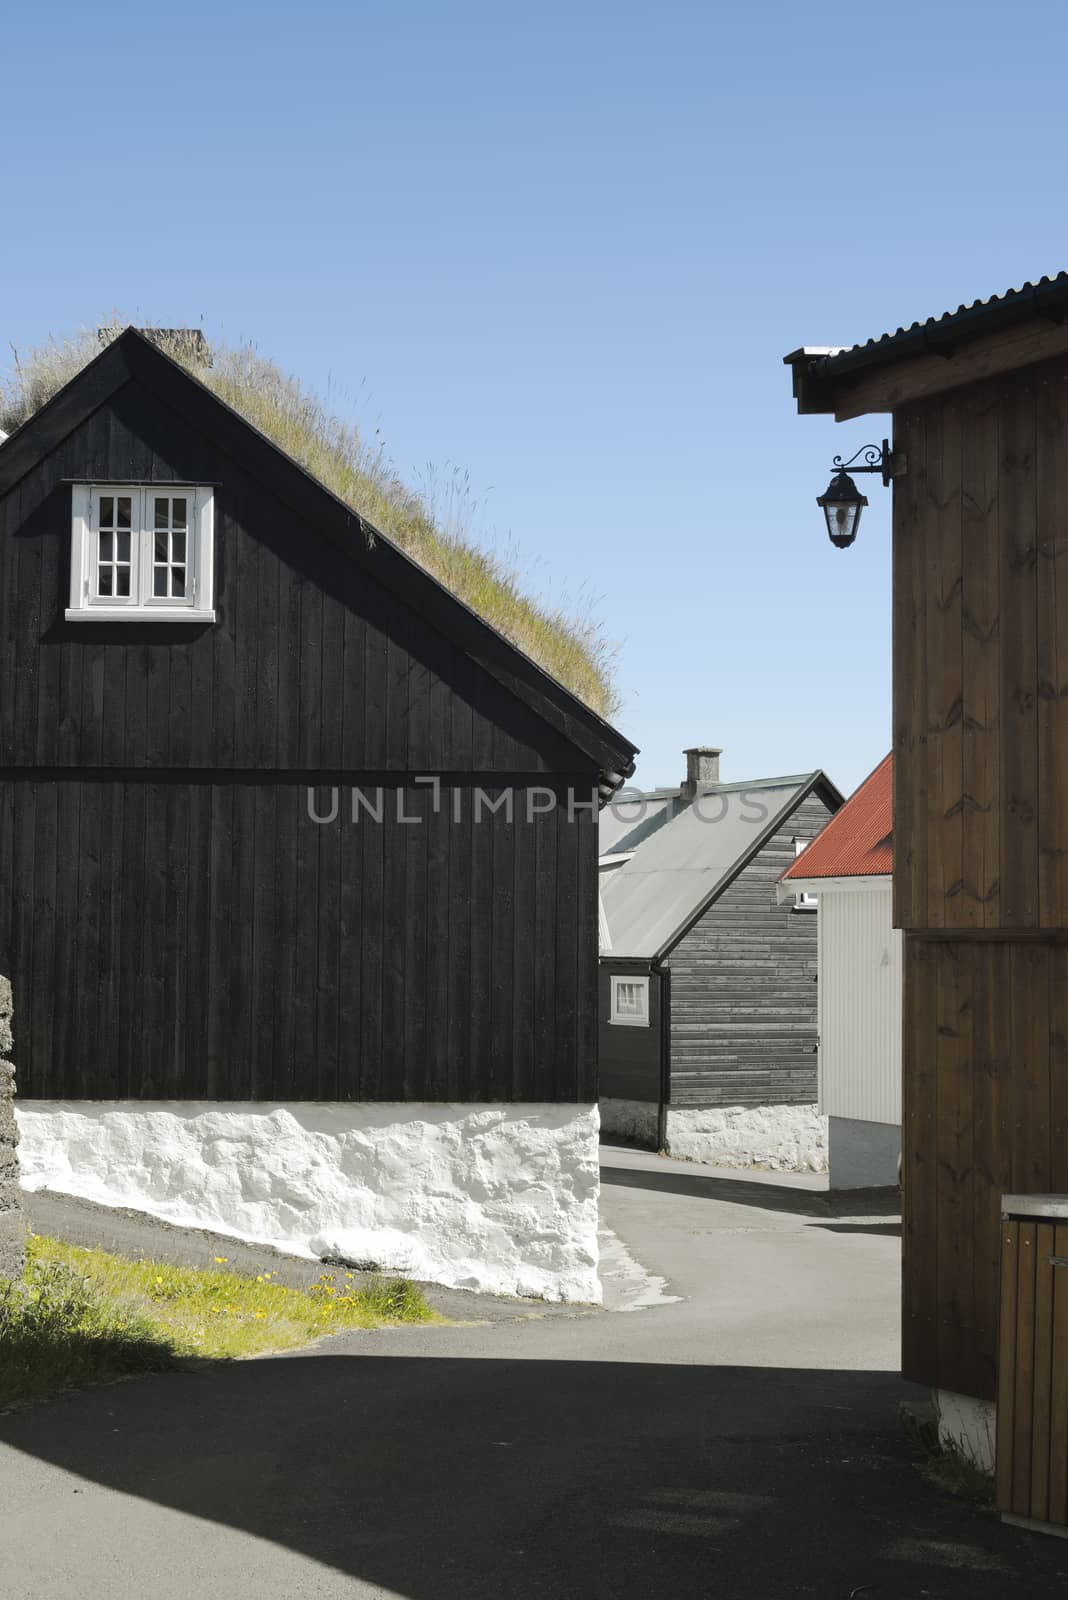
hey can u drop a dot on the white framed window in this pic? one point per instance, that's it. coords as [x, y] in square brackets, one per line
[803, 901]
[141, 551]
[630, 1002]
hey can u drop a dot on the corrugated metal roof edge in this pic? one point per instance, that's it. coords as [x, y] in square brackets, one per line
[817, 366]
[809, 782]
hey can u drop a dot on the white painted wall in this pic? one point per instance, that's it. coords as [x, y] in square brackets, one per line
[499, 1198]
[859, 1001]
[780, 1138]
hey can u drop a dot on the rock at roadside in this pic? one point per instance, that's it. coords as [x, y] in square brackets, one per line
[12, 1222]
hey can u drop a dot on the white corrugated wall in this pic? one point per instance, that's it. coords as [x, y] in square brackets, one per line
[859, 1004]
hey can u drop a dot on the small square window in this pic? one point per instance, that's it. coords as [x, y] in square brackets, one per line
[630, 1002]
[141, 552]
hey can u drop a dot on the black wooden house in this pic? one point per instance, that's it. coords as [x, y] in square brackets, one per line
[281, 819]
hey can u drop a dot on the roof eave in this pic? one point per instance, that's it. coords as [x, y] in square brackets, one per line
[821, 373]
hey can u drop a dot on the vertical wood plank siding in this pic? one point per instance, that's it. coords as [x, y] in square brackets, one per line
[981, 843]
[209, 940]
[310, 664]
[981, 657]
[174, 922]
[743, 988]
[629, 1058]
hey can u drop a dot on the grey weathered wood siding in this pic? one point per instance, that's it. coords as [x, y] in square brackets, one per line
[743, 988]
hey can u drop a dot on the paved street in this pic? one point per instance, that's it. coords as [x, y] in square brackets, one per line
[739, 1442]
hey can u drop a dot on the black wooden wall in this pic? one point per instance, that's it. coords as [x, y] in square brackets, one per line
[629, 1058]
[175, 924]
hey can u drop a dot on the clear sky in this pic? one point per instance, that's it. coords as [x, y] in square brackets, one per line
[564, 248]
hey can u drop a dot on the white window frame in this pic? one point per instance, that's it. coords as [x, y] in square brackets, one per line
[803, 901]
[141, 605]
[629, 1020]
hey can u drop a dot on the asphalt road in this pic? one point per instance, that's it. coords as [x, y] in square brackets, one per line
[741, 1442]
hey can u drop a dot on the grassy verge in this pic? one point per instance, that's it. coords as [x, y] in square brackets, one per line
[83, 1315]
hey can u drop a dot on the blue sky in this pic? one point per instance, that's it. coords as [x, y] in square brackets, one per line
[565, 248]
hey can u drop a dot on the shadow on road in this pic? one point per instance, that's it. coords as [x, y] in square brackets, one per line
[451, 1479]
[750, 1192]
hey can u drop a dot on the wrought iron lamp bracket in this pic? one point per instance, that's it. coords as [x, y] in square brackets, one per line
[872, 458]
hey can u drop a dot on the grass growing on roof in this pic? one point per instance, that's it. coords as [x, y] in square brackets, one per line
[568, 642]
[83, 1315]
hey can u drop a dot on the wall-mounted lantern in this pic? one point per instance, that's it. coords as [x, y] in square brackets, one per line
[843, 501]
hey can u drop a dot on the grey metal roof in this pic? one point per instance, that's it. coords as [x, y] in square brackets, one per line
[688, 860]
[939, 335]
[630, 817]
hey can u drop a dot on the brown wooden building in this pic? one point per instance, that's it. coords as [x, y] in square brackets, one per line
[979, 399]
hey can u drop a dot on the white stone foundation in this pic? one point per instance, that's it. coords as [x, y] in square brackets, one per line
[967, 1425]
[499, 1198]
[780, 1138]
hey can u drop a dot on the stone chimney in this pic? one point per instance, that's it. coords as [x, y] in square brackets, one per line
[702, 769]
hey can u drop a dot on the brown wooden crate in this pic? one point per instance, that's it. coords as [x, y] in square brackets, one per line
[1023, 1374]
[1043, 1371]
[1058, 1432]
[1006, 1414]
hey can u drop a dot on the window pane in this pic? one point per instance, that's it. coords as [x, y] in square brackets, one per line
[178, 513]
[161, 511]
[123, 510]
[107, 510]
[122, 582]
[105, 546]
[123, 540]
[178, 582]
[161, 547]
[159, 583]
[178, 545]
[105, 580]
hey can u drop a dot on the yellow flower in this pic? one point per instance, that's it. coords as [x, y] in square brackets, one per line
[261, 1313]
[222, 1260]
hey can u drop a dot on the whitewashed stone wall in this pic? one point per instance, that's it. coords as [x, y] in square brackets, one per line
[499, 1198]
[780, 1138]
[12, 1224]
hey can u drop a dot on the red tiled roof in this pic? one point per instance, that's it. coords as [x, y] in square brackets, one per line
[859, 839]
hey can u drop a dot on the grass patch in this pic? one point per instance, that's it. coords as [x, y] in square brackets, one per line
[82, 1315]
[432, 526]
[946, 1467]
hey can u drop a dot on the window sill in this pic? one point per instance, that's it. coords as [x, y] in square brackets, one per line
[628, 1022]
[137, 614]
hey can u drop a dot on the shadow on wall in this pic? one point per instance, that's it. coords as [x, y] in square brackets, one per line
[452, 1479]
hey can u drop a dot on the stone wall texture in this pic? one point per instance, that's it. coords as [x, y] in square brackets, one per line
[780, 1138]
[500, 1198]
[12, 1223]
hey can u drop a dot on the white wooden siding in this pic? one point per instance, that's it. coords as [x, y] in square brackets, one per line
[859, 1004]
